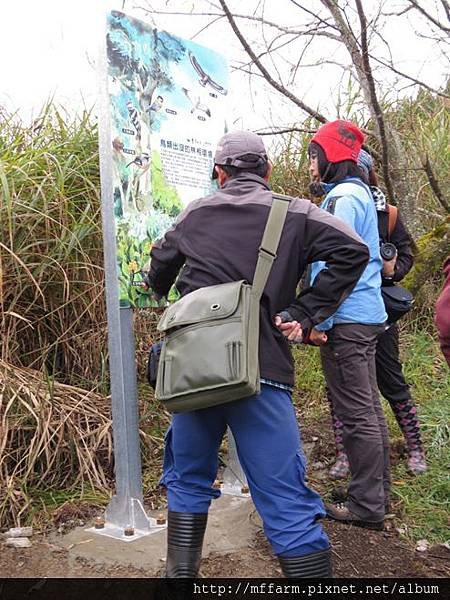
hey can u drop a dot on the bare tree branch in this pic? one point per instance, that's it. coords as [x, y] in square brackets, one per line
[263, 21]
[426, 14]
[279, 131]
[316, 16]
[435, 185]
[206, 26]
[446, 6]
[374, 101]
[350, 42]
[264, 71]
[417, 81]
[398, 14]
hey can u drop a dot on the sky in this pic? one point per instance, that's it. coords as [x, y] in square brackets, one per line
[50, 49]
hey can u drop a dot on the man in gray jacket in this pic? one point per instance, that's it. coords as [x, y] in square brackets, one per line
[215, 240]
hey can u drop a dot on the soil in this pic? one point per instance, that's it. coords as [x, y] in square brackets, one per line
[356, 552]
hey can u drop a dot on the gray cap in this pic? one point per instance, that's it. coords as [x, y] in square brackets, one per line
[232, 147]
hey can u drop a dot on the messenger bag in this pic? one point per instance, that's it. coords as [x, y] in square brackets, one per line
[210, 352]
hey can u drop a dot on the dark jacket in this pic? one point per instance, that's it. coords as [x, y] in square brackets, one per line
[442, 317]
[216, 240]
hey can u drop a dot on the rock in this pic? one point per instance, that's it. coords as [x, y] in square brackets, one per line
[422, 546]
[19, 532]
[18, 542]
[318, 465]
[315, 438]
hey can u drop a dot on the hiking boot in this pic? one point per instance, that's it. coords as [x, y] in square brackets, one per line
[340, 494]
[341, 468]
[416, 462]
[341, 512]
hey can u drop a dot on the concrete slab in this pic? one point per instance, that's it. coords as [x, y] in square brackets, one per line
[232, 525]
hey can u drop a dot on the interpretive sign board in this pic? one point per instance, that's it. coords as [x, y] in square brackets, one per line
[167, 100]
[161, 114]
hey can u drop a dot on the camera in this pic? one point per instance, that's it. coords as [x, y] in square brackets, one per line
[388, 251]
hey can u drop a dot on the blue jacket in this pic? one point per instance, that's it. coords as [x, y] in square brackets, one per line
[356, 208]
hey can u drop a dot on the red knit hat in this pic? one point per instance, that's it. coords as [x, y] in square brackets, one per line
[340, 140]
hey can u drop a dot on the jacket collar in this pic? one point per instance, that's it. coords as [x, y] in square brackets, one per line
[252, 180]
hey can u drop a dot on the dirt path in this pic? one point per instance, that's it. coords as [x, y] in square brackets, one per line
[356, 553]
[235, 545]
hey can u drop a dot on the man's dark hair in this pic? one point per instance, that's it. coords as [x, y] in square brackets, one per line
[334, 172]
[260, 169]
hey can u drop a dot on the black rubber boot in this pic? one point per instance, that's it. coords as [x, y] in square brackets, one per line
[185, 533]
[317, 564]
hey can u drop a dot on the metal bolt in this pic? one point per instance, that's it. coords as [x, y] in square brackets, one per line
[99, 523]
[244, 489]
[128, 531]
[160, 519]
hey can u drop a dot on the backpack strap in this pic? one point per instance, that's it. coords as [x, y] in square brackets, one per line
[269, 243]
[383, 225]
[393, 214]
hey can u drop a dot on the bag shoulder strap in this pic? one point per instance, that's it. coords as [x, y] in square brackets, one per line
[269, 243]
[383, 225]
[393, 213]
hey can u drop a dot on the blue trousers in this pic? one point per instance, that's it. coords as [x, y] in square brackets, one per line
[269, 448]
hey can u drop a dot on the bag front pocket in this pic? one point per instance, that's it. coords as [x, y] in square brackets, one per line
[164, 371]
[202, 356]
[234, 359]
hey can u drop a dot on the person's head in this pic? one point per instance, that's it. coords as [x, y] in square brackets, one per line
[240, 152]
[333, 152]
[365, 162]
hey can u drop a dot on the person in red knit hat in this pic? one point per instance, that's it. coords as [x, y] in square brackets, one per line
[348, 338]
[390, 378]
[442, 316]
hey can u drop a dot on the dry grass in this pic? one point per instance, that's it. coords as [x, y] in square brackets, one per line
[52, 436]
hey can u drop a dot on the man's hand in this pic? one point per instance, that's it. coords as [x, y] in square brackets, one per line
[389, 267]
[318, 338]
[292, 330]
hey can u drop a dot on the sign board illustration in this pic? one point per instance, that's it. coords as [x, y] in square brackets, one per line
[167, 101]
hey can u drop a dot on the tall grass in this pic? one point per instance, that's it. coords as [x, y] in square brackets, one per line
[52, 307]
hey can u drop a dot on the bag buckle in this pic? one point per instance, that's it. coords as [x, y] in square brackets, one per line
[267, 253]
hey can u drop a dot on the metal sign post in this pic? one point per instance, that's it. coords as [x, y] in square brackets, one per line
[125, 517]
[234, 480]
